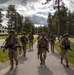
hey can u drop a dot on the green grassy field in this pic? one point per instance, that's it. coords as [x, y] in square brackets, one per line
[3, 37]
[4, 56]
[71, 53]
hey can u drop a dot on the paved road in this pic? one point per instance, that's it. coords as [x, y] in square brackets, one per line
[30, 65]
[1, 42]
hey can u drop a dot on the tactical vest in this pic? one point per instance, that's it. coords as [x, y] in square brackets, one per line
[43, 43]
[66, 43]
[31, 37]
[23, 39]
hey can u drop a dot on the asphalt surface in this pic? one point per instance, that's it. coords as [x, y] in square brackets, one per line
[30, 65]
[1, 42]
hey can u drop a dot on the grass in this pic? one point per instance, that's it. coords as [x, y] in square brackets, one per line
[71, 53]
[3, 37]
[4, 56]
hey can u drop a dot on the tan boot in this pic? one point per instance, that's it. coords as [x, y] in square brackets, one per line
[67, 65]
[11, 67]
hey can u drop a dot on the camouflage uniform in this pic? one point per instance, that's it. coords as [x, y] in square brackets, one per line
[64, 45]
[30, 38]
[38, 36]
[24, 42]
[12, 52]
[52, 41]
[42, 48]
[48, 37]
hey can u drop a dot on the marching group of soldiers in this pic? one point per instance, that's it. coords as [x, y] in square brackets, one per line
[13, 42]
[43, 46]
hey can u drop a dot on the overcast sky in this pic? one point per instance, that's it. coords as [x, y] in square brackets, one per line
[34, 9]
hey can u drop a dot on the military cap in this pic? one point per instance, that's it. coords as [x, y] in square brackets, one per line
[15, 33]
[11, 31]
[24, 33]
[52, 33]
[66, 35]
[43, 34]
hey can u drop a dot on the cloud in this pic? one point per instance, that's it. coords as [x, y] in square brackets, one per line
[38, 20]
[34, 9]
[22, 2]
[3, 1]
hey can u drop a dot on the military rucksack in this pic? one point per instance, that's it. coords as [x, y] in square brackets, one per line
[66, 44]
[43, 42]
[31, 37]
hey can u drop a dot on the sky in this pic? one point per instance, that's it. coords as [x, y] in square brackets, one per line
[34, 9]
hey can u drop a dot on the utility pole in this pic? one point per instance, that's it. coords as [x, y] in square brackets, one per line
[58, 9]
[58, 19]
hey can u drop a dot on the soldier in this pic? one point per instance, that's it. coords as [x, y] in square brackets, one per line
[20, 47]
[12, 42]
[48, 37]
[24, 41]
[42, 48]
[52, 41]
[38, 36]
[31, 38]
[65, 46]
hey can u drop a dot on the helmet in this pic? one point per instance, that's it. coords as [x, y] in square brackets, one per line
[66, 35]
[43, 34]
[11, 31]
[23, 33]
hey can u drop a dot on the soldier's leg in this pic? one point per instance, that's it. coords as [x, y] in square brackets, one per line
[20, 50]
[38, 54]
[62, 55]
[66, 58]
[52, 47]
[44, 57]
[32, 44]
[29, 44]
[24, 50]
[11, 60]
[41, 58]
[16, 57]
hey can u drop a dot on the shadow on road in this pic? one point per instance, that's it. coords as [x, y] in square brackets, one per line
[14, 72]
[56, 55]
[22, 59]
[69, 70]
[43, 70]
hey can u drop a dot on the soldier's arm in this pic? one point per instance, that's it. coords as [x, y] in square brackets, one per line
[5, 45]
[38, 44]
[17, 43]
[47, 45]
[70, 44]
[61, 43]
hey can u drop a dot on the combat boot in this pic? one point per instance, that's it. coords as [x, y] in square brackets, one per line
[61, 60]
[67, 65]
[24, 55]
[16, 63]
[44, 62]
[44, 59]
[41, 63]
[41, 59]
[11, 67]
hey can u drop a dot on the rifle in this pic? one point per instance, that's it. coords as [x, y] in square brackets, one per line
[6, 47]
[68, 47]
[10, 46]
